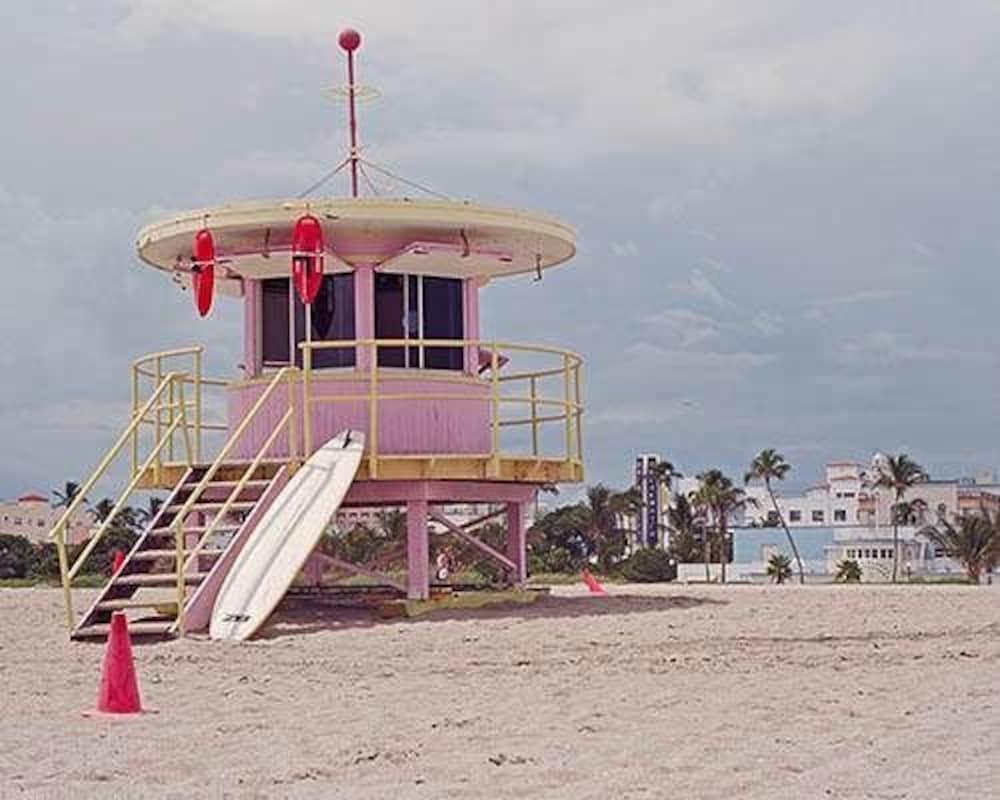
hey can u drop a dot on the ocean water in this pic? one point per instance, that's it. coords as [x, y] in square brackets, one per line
[747, 542]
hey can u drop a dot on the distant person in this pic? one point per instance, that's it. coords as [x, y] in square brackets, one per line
[444, 566]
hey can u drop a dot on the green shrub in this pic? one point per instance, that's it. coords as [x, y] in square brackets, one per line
[648, 566]
[16, 556]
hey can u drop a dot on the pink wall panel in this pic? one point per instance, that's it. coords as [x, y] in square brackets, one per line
[251, 308]
[459, 424]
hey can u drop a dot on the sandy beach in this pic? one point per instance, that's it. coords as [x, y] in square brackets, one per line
[693, 692]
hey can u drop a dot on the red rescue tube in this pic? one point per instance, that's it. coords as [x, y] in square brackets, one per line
[307, 257]
[203, 276]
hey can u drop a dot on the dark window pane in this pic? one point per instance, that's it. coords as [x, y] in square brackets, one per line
[443, 320]
[389, 317]
[332, 319]
[274, 320]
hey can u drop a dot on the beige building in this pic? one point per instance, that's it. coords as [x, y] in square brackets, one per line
[32, 517]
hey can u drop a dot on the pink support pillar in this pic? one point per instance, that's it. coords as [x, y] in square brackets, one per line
[471, 323]
[364, 311]
[417, 551]
[251, 325]
[517, 541]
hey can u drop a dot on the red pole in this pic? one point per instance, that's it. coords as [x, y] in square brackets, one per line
[350, 40]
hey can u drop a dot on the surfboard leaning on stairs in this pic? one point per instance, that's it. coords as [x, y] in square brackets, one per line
[145, 586]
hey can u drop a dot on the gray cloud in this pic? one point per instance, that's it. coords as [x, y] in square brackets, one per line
[786, 210]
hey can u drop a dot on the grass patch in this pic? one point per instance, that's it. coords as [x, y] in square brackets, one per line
[79, 582]
[469, 600]
[948, 579]
[567, 579]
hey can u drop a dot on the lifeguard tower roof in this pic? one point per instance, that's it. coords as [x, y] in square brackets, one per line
[455, 239]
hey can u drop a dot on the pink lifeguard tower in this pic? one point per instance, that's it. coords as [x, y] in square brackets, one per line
[389, 344]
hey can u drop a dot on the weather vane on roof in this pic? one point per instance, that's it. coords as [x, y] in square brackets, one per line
[353, 93]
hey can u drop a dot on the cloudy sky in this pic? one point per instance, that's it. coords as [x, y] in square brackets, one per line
[786, 209]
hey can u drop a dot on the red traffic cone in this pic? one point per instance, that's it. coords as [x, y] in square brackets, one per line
[117, 559]
[119, 689]
[592, 584]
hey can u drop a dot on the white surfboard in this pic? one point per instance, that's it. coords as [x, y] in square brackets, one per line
[284, 538]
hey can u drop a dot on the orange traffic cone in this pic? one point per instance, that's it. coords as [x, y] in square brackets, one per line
[119, 689]
[593, 585]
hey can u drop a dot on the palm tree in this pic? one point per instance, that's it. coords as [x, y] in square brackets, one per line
[720, 499]
[145, 516]
[779, 568]
[64, 498]
[974, 541]
[702, 502]
[770, 465]
[103, 508]
[600, 513]
[848, 571]
[683, 524]
[898, 473]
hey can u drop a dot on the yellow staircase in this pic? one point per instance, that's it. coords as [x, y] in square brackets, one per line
[168, 581]
[215, 517]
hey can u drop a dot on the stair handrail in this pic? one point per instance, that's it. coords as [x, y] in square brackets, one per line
[58, 531]
[283, 375]
[237, 490]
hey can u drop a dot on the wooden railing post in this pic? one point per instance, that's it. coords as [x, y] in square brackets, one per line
[579, 415]
[534, 416]
[64, 575]
[158, 409]
[197, 405]
[188, 448]
[495, 405]
[171, 410]
[134, 455]
[567, 408]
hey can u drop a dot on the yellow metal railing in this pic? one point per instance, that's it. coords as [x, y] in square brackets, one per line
[284, 376]
[171, 385]
[517, 390]
[148, 372]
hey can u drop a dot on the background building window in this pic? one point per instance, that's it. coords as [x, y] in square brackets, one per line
[794, 515]
[818, 516]
[839, 515]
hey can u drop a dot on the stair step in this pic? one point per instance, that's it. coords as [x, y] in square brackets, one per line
[160, 532]
[152, 555]
[128, 602]
[250, 484]
[212, 505]
[158, 579]
[100, 630]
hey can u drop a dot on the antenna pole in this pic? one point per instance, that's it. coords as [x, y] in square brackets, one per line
[350, 40]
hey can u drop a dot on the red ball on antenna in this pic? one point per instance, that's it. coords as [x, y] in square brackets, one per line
[349, 39]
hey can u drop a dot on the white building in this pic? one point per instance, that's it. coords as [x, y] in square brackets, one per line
[32, 517]
[835, 502]
[873, 552]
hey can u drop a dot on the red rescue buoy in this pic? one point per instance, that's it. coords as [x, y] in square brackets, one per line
[203, 275]
[307, 257]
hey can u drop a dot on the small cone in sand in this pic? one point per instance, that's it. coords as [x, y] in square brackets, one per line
[119, 689]
[592, 584]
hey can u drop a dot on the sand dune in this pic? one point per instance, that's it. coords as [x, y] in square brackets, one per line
[687, 692]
